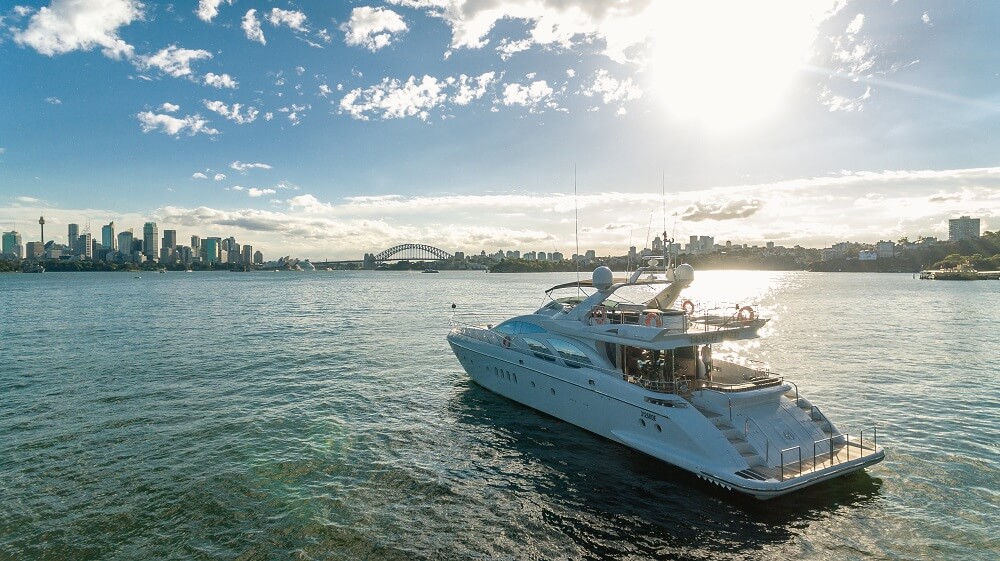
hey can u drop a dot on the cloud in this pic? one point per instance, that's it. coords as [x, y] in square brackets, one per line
[233, 113]
[728, 211]
[531, 95]
[220, 81]
[470, 89]
[170, 107]
[219, 177]
[242, 168]
[70, 25]
[254, 192]
[394, 99]
[53, 100]
[198, 175]
[173, 60]
[251, 27]
[372, 28]
[610, 89]
[208, 9]
[192, 124]
[293, 19]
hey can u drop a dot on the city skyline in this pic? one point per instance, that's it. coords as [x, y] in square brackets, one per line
[328, 131]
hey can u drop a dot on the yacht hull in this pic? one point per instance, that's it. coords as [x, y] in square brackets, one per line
[664, 426]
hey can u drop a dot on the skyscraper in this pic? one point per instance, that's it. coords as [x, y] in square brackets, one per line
[150, 235]
[963, 228]
[125, 244]
[169, 239]
[210, 250]
[11, 245]
[85, 246]
[73, 236]
[108, 237]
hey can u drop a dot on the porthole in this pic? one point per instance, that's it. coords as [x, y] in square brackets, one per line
[553, 390]
[658, 429]
[642, 422]
[532, 384]
[591, 382]
[515, 377]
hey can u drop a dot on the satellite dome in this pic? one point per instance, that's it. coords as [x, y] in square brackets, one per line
[684, 272]
[603, 278]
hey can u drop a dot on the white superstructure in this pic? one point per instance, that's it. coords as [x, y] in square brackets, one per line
[629, 360]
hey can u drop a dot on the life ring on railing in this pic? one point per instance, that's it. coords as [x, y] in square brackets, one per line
[599, 315]
[746, 314]
[688, 307]
[653, 319]
[506, 341]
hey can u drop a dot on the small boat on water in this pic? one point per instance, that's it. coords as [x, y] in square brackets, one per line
[628, 359]
[429, 271]
[962, 272]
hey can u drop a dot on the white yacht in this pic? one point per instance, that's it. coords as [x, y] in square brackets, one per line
[629, 360]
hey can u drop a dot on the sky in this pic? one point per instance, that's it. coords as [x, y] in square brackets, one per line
[326, 130]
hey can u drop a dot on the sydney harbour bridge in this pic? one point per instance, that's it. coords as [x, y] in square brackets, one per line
[402, 252]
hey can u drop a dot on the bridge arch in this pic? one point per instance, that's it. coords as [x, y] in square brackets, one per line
[412, 252]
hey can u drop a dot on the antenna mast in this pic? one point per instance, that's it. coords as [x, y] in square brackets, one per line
[576, 221]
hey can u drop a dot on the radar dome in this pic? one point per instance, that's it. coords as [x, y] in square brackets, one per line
[603, 278]
[684, 272]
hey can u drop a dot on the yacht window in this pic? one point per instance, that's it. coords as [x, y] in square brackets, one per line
[517, 327]
[539, 349]
[572, 355]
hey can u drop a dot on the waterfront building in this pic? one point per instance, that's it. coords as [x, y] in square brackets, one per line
[11, 245]
[73, 234]
[125, 243]
[108, 236]
[196, 245]
[867, 255]
[556, 256]
[169, 239]
[258, 258]
[34, 250]
[84, 246]
[885, 250]
[247, 255]
[210, 250]
[963, 228]
[150, 235]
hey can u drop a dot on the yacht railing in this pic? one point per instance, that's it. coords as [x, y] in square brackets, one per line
[767, 441]
[829, 452]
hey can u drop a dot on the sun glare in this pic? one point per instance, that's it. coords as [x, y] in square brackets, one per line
[728, 64]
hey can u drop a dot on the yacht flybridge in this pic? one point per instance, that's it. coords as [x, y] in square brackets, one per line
[629, 360]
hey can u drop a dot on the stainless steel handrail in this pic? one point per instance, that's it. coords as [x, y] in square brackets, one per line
[767, 441]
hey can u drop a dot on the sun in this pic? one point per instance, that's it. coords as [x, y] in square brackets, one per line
[730, 64]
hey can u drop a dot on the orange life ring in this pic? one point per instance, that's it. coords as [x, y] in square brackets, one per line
[688, 307]
[506, 341]
[746, 314]
[653, 319]
[599, 315]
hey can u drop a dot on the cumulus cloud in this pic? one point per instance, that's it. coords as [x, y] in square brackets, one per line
[242, 168]
[70, 25]
[234, 113]
[255, 192]
[191, 124]
[219, 177]
[208, 9]
[395, 99]
[220, 81]
[251, 27]
[170, 107]
[610, 89]
[198, 175]
[531, 95]
[726, 211]
[53, 101]
[372, 28]
[293, 19]
[173, 60]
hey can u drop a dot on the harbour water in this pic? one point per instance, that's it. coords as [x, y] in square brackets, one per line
[322, 416]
